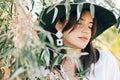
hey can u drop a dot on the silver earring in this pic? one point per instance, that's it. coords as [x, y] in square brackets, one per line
[59, 40]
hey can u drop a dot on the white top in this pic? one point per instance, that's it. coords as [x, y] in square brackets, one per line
[106, 68]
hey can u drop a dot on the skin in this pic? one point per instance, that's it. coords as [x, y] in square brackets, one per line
[77, 39]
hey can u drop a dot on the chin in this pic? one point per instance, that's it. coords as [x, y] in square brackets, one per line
[80, 47]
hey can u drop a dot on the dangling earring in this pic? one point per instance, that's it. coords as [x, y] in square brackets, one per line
[59, 40]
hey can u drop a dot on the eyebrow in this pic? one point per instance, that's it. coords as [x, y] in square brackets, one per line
[84, 20]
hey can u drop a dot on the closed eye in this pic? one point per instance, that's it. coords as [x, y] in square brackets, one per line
[90, 25]
[79, 24]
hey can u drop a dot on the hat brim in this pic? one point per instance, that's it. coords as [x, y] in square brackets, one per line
[104, 17]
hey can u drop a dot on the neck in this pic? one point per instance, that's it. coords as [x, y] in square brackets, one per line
[75, 53]
[69, 66]
[69, 61]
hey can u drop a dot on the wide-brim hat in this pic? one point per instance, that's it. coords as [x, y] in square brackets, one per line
[105, 18]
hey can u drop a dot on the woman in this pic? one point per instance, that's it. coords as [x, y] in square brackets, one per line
[78, 33]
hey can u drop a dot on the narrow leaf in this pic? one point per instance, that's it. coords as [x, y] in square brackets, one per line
[61, 57]
[53, 63]
[84, 53]
[37, 14]
[47, 57]
[62, 47]
[68, 8]
[42, 54]
[50, 38]
[118, 28]
[92, 10]
[56, 61]
[118, 24]
[83, 72]
[27, 7]
[79, 10]
[79, 65]
[55, 14]
[18, 72]
[32, 4]
[51, 8]
[42, 22]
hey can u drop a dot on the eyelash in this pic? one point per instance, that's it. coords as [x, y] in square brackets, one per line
[78, 23]
[90, 27]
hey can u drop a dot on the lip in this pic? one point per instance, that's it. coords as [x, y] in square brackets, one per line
[85, 39]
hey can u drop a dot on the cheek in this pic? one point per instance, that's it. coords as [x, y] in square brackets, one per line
[69, 33]
[66, 34]
[89, 37]
[90, 34]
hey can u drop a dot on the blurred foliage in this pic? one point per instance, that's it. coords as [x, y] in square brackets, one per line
[109, 40]
[22, 41]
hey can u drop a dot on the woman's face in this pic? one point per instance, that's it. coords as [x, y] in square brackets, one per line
[81, 34]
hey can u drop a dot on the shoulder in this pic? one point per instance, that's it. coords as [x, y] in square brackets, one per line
[106, 59]
[110, 64]
[107, 56]
[107, 65]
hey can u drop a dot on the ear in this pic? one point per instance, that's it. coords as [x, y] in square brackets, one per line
[59, 26]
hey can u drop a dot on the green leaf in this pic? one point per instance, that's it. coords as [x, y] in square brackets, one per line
[68, 8]
[3, 43]
[37, 14]
[40, 16]
[79, 65]
[61, 57]
[1, 20]
[47, 57]
[62, 47]
[32, 4]
[43, 2]
[83, 72]
[56, 61]
[18, 72]
[79, 10]
[41, 13]
[118, 24]
[92, 10]
[1, 10]
[27, 7]
[83, 53]
[51, 8]
[50, 38]
[3, 55]
[42, 21]
[42, 54]
[118, 28]
[55, 14]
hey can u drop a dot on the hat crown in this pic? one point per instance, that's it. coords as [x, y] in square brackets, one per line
[58, 11]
